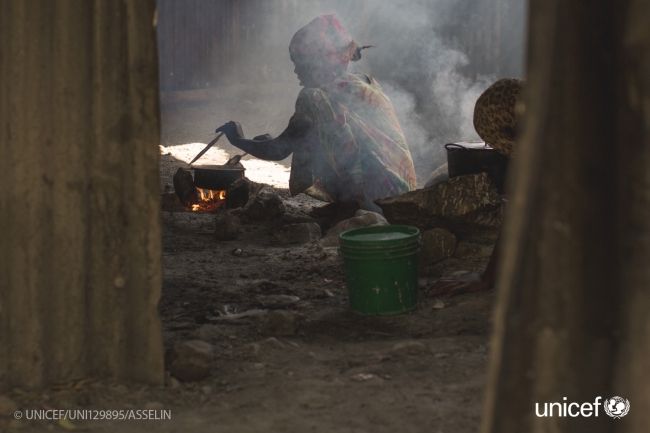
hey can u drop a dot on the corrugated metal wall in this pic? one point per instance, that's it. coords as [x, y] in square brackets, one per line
[81, 254]
[196, 40]
[206, 43]
[492, 37]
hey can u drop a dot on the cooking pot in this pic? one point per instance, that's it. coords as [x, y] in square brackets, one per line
[217, 177]
[477, 157]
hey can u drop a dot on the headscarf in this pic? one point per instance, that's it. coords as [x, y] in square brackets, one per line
[325, 39]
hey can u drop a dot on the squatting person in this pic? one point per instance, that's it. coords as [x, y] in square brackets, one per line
[347, 144]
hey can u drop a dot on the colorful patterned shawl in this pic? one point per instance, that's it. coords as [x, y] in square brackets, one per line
[355, 149]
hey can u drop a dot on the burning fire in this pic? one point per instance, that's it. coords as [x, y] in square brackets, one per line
[209, 200]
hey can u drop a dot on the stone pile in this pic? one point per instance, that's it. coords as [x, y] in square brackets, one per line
[266, 205]
[467, 206]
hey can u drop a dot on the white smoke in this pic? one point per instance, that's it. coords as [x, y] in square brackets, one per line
[422, 69]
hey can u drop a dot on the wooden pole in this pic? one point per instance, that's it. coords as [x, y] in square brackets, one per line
[80, 256]
[572, 316]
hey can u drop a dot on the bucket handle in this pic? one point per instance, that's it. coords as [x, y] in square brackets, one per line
[447, 146]
[460, 146]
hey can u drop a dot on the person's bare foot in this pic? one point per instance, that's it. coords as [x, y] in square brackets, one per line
[468, 283]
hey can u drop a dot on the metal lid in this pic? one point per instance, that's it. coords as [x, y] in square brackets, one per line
[217, 167]
[380, 236]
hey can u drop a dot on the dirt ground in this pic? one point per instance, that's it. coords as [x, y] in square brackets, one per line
[418, 372]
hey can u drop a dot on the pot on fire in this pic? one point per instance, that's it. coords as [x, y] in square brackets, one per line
[217, 177]
[477, 157]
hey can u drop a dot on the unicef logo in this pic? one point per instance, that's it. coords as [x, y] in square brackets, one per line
[616, 407]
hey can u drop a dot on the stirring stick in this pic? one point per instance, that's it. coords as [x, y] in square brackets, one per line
[201, 153]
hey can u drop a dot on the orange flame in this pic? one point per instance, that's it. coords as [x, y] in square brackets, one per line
[209, 200]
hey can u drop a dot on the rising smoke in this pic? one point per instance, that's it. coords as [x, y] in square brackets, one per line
[422, 54]
[433, 59]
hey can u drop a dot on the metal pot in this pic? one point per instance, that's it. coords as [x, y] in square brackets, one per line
[217, 177]
[477, 157]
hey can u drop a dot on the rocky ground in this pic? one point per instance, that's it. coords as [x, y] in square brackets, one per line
[281, 351]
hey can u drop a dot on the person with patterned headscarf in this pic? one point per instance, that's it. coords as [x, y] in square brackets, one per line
[347, 144]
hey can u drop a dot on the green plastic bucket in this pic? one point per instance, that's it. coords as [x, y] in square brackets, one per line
[381, 264]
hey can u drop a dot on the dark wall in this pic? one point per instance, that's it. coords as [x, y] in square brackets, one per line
[206, 43]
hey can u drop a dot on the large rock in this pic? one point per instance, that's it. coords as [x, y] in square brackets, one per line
[441, 174]
[255, 188]
[437, 244]
[265, 205]
[298, 233]
[227, 226]
[362, 219]
[237, 194]
[464, 205]
[190, 360]
[293, 216]
[184, 187]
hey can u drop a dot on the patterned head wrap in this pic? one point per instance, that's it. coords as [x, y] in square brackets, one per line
[325, 39]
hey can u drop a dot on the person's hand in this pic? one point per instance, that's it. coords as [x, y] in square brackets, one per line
[467, 283]
[263, 137]
[233, 131]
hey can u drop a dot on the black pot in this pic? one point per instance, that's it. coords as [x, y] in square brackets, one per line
[477, 157]
[217, 177]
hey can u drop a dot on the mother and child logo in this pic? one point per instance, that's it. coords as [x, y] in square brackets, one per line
[616, 407]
